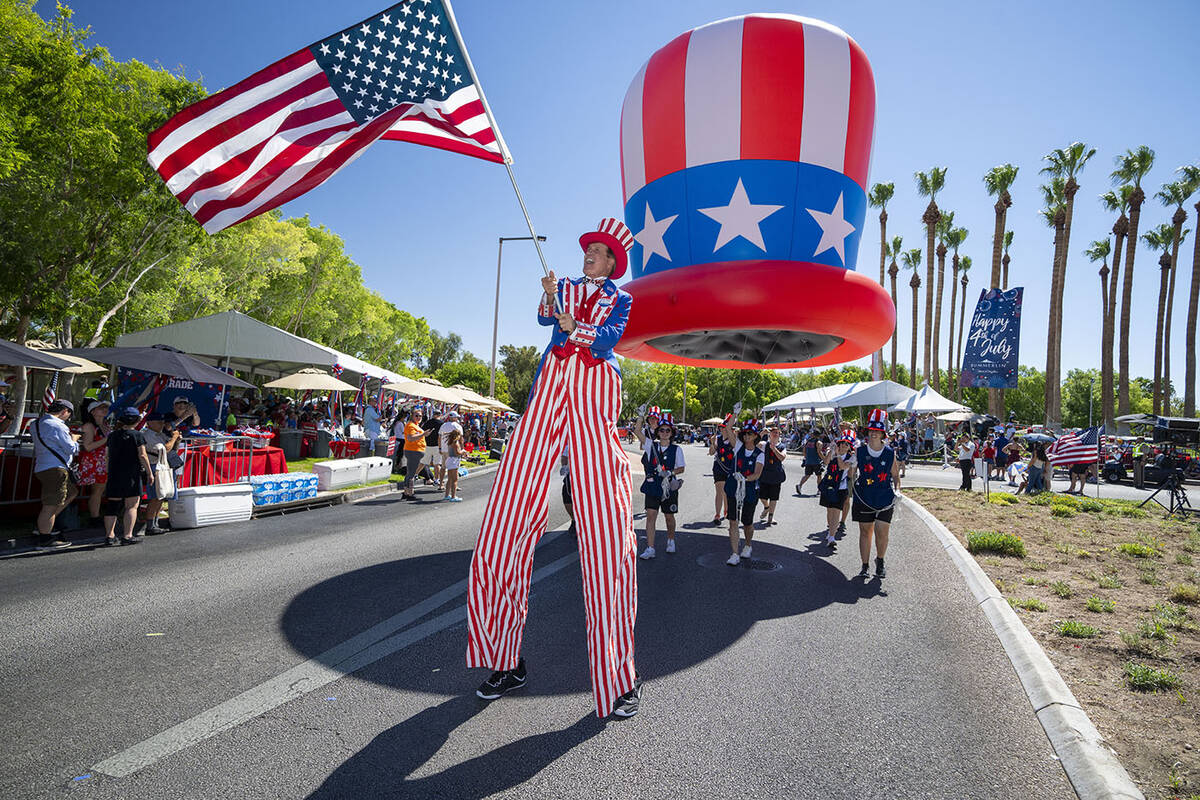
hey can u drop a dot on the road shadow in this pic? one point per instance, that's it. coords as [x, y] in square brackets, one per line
[691, 606]
[384, 768]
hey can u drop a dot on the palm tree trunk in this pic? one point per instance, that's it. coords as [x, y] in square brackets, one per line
[950, 373]
[1109, 330]
[915, 283]
[995, 397]
[1103, 291]
[883, 251]
[930, 218]
[962, 314]
[937, 317]
[1069, 190]
[1177, 220]
[1189, 370]
[1135, 214]
[1051, 323]
[1004, 281]
[895, 304]
[1164, 265]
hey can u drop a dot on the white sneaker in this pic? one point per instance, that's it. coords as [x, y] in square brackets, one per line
[734, 560]
[647, 554]
[670, 545]
[746, 551]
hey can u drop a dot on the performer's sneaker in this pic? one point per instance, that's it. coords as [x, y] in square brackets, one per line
[627, 704]
[880, 572]
[670, 545]
[734, 560]
[746, 551]
[832, 543]
[647, 554]
[502, 682]
[865, 572]
[841, 531]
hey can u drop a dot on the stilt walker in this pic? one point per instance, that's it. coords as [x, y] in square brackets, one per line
[575, 402]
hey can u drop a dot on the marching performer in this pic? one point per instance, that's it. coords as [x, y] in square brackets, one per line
[875, 477]
[663, 462]
[773, 475]
[575, 400]
[832, 487]
[721, 448]
[741, 490]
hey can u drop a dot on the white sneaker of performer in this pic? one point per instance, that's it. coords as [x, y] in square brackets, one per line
[746, 551]
[647, 554]
[670, 545]
[733, 560]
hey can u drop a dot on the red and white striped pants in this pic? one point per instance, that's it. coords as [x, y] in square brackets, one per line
[576, 406]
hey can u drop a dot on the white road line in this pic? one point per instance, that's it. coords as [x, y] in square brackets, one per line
[375, 643]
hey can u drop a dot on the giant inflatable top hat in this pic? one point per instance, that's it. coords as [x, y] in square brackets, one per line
[745, 146]
[616, 235]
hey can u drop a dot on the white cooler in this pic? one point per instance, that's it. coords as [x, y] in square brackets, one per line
[340, 473]
[212, 505]
[378, 468]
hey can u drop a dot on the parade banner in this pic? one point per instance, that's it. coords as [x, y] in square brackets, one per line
[990, 353]
[135, 387]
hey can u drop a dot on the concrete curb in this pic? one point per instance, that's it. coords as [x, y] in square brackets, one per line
[1090, 764]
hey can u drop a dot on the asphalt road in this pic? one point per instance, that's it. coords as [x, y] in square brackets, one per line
[789, 680]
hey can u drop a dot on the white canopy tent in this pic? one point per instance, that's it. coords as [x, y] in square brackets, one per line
[927, 401]
[879, 394]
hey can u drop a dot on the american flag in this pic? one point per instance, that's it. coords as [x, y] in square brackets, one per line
[360, 399]
[1077, 448]
[402, 75]
[337, 370]
[51, 388]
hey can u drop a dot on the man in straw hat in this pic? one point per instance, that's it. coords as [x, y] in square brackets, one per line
[575, 400]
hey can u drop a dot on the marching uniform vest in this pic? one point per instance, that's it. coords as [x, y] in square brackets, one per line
[723, 459]
[773, 471]
[652, 461]
[873, 486]
[745, 462]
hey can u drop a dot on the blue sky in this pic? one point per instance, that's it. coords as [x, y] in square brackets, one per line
[961, 85]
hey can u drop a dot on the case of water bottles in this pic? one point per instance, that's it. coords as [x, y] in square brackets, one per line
[285, 488]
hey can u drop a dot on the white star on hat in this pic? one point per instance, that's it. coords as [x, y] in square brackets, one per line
[740, 218]
[834, 229]
[650, 237]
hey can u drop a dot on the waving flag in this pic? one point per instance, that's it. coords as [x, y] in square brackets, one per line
[51, 389]
[1077, 448]
[402, 75]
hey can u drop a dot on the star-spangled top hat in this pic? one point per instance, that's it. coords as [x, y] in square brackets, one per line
[877, 421]
[751, 426]
[666, 419]
[613, 233]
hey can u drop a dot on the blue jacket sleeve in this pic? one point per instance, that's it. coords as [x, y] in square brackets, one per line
[605, 337]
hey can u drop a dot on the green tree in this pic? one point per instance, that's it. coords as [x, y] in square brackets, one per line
[443, 350]
[473, 373]
[928, 185]
[1132, 166]
[1099, 250]
[1175, 194]
[998, 180]
[1161, 238]
[519, 365]
[912, 261]
[944, 225]
[1008, 240]
[893, 270]
[880, 194]
[964, 267]
[1055, 215]
[1191, 179]
[1113, 200]
[955, 238]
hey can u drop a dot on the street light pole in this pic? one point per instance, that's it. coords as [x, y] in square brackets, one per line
[1091, 381]
[496, 312]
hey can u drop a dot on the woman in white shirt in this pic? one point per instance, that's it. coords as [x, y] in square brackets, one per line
[966, 457]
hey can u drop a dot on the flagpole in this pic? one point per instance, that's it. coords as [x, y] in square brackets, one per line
[504, 151]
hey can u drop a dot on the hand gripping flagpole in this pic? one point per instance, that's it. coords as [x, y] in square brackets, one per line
[504, 151]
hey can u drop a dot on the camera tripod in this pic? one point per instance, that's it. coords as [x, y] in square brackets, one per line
[1177, 499]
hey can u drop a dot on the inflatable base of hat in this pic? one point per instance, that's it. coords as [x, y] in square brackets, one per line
[745, 147]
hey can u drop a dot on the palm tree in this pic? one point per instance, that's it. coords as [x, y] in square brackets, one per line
[1131, 168]
[928, 185]
[893, 271]
[1066, 163]
[880, 194]
[1055, 215]
[1099, 251]
[954, 238]
[1114, 200]
[912, 260]
[964, 267]
[1160, 238]
[998, 180]
[1191, 177]
[1172, 194]
[944, 225]
[1008, 237]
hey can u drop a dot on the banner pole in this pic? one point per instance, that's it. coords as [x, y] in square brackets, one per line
[504, 151]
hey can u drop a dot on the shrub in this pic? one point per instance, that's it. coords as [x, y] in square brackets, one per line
[1185, 593]
[1172, 616]
[1005, 544]
[1091, 505]
[1042, 498]
[1036, 566]
[1030, 604]
[1129, 512]
[1109, 582]
[1156, 628]
[1137, 550]
[1144, 678]
[1061, 588]
[1031, 581]
[1002, 499]
[1137, 643]
[1076, 630]
[1184, 559]
[1100, 605]
[1057, 510]
[1192, 545]
[1149, 575]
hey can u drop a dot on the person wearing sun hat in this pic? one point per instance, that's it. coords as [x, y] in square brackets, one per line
[574, 403]
[663, 463]
[741, 489]
[721, 448]
[833, 487]
[875, 478]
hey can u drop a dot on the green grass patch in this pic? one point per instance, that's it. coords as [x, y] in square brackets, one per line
[1032, 581]
[1184, 559]
[1061, 588]
[1185, 593]
[1076, 630]
[1042, 499]
[1091, 506]
[1005, 544]
[1036, 566]
[1137, 550]
[1100, 605]
[1149, 575]
[1109, 581]
[1192, 545]
[1029, 604]
[1127, 512]
[1144, 678]
[1157, 629]
[1062, 511]
[1002, 499]
[1173, 616]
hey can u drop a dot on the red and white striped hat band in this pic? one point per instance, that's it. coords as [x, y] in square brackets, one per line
[877, 420]
[612, 232]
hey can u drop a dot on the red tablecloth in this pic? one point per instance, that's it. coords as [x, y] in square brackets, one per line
[206, 467]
